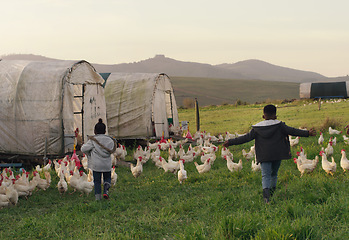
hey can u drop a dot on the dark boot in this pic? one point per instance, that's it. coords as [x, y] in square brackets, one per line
[272, 191]
[266, 194]
[106, 187]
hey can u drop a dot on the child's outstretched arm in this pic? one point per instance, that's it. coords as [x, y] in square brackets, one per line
[240, 140]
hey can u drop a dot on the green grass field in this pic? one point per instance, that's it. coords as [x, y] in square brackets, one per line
[210, 91]
[215, 205]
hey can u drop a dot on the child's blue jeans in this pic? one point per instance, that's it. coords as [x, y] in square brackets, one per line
[270, 173]
[97, 180]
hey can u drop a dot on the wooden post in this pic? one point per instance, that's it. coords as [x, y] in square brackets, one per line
[319, 104]
[197, 115]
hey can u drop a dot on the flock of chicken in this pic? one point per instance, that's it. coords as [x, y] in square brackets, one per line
[203, 155]
[70, 171]
[305, 165]
[75, 173]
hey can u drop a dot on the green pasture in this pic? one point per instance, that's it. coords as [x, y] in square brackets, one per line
[215, 205]
[210, 91]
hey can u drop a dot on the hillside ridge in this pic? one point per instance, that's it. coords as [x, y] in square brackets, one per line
[252, 69]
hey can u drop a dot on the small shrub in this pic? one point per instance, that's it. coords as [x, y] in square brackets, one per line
[188, 103]
[330, 122]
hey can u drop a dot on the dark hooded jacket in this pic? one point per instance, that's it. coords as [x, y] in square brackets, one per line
[271, 140]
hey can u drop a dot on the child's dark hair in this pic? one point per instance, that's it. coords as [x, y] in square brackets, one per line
[100, 127]
[269, 110]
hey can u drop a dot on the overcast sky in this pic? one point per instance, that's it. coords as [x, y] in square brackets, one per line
[311, 35]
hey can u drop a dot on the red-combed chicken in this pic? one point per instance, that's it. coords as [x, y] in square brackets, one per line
[182, 173]
[344, 161]
[138, 153]
[203, 168]
[329, 149]
[23, 187]
[78, 182]
[204, 157]
[171, 166]
[248, 155]
[138, 169]
[305, 167]
[333, 131]
[232, 166]
[120, 152]
[328, 167]
[40, 182]
[321, 139]
[225, 151]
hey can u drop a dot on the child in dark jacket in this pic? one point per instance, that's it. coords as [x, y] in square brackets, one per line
[271, 145]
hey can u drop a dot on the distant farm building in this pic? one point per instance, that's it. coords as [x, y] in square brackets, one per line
[324, 90]
[139, 105]
[42, 103]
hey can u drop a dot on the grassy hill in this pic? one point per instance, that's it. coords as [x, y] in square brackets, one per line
[216, 205]
[211, 91]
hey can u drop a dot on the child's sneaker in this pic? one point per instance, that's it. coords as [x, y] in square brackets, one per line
[106, 196]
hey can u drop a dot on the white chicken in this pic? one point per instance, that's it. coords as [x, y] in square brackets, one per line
[344, 161]
[120, 152]
[23, 187]
[79, 182]
[305, 167]
[232, 166]
[114, 177]
[303, 158]
[329, 149]
[47, 167]
[181, 151]
[210, 149]
[138, 169]
[254, 166]
[138, 153]
[293, 141]
[42, 183]
[189, 158]
[346, 139]
[153, 146]
[229, 136]
[328, 167]
[321, 139]
[62, 185]
[12, 193]
[182, 173]
[158, 161]
[172, 152]
[204, 157]
[333, 140]
[333, 131]
[249, 155]
[84, 162]
[170, 166]
[4, 200]
[225, 151]
[203, 168]
[156, 153]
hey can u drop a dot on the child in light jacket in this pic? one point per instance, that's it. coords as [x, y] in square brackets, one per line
[98, 150]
